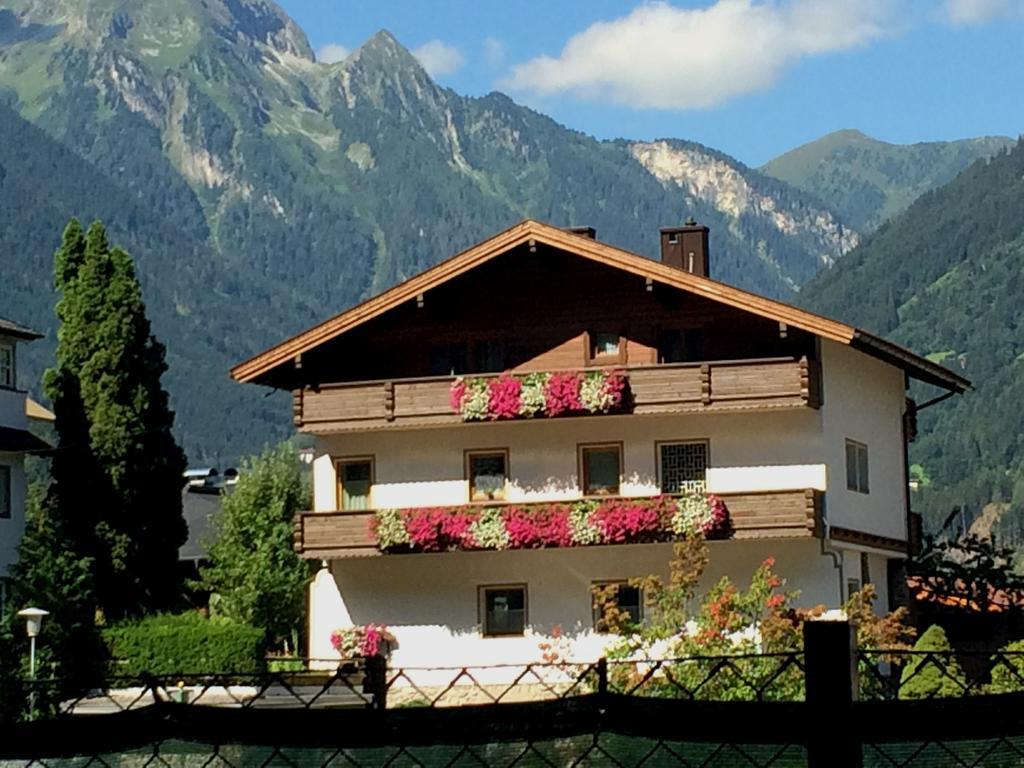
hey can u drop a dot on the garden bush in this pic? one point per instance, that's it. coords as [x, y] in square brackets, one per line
[1008, 671]
[188, 643]
[927, 677]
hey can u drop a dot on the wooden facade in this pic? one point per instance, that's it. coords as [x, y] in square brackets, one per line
[710, 387]
[763, 514]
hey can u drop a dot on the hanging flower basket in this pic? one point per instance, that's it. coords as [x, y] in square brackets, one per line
[361, 642]
[537, 394]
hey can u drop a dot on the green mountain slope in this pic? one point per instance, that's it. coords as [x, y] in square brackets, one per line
[304, 187]
[945, 278]
[869, 181]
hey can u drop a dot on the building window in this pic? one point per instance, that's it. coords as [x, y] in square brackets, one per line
[355, 481]
[681, 346]
[448, 359]
[852, 588]
[619, 595]
[601, 469]
[5, 491]
[7, 366]
[487, 473]
[683, 466]
[490, 356]
[503, 610]
[604, 347]
[856, 466]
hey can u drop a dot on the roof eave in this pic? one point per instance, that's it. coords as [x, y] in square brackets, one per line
[916, 366]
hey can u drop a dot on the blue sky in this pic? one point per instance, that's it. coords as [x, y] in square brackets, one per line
[749, 77]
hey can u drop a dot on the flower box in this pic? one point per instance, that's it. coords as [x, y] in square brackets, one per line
[361, 642]
[509, 396]
[619, 520]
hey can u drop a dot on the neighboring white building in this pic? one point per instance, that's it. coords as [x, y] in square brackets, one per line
[797, 422]
[16, 408]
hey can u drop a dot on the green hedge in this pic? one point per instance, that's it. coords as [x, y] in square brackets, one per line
[1008, 671]
[188, 643]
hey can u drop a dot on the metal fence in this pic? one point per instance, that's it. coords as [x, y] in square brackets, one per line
[908, 709]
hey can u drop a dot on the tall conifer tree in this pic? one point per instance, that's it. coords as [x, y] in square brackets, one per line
[118, 469]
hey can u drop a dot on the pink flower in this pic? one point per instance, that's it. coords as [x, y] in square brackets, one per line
[546, 526]
[456, 394]
[623, 521]
[615, 386]
[503, 397]
[562, 394]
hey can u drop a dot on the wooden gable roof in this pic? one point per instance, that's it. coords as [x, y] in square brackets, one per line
[534, 232]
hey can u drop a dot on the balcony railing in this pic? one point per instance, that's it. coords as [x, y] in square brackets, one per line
[754, 515]
[729, 385]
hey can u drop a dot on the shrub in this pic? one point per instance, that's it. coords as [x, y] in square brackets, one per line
[930, 677]
[188, 643]
[1008, 672]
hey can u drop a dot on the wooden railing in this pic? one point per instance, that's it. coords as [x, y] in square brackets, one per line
[754, 515]
[728, 385]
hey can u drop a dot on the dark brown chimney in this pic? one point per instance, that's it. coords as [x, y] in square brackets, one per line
[686, 248]
[584, 231]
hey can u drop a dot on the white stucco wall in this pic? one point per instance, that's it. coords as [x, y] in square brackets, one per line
[864, 401]
[12, 528]
[414, 468]
[429, 601]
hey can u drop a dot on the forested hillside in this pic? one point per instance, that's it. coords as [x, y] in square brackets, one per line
[292, 189]
[869, 181]
[945, 278]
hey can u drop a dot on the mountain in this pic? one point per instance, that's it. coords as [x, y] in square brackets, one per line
[945, 278]
[868, 181]
[298, 188]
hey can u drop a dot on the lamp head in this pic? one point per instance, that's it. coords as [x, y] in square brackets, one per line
[33, 619]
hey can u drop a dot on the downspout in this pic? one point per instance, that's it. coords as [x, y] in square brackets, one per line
[835, 554]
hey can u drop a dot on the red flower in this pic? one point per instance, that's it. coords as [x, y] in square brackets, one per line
[562, 394]
[503, 397]
[455, 395]
[622, 521]
[614, 386]
[546, 526]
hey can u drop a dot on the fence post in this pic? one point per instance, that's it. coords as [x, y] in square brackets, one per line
[830, 664]
[602, 675]
[376, 683]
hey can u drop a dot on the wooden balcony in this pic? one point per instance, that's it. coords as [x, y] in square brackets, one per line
[754, 515]
[711, 387]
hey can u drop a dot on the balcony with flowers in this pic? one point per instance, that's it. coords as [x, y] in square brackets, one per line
[707, 387]
[612, 520]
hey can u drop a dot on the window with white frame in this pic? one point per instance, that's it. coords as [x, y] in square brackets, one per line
[856, 466]
[7, 365]
[683, 466]
[502, 609]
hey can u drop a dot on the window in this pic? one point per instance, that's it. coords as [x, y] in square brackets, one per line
[5, 491]
[856, 466]
[448, 359]
[683, 466]
[355, 480]
[503, 610]
[681, 346]
[601, 469]
[604, 347]
[7, 365]
[487, 473]
[865, 568]
[673, 237]
[852, 588]
[626, 598]
[490, 356]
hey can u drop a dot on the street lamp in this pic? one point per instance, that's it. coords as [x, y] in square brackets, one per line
[33, 622]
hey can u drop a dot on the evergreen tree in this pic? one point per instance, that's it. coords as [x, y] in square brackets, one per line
[50, 575]
[930, 677]
[255, 575]
[117, 472]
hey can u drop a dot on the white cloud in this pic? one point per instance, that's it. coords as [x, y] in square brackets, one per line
[494, 52]
[332, 53]
[439, 58]
[664, 57]
[963, 12]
